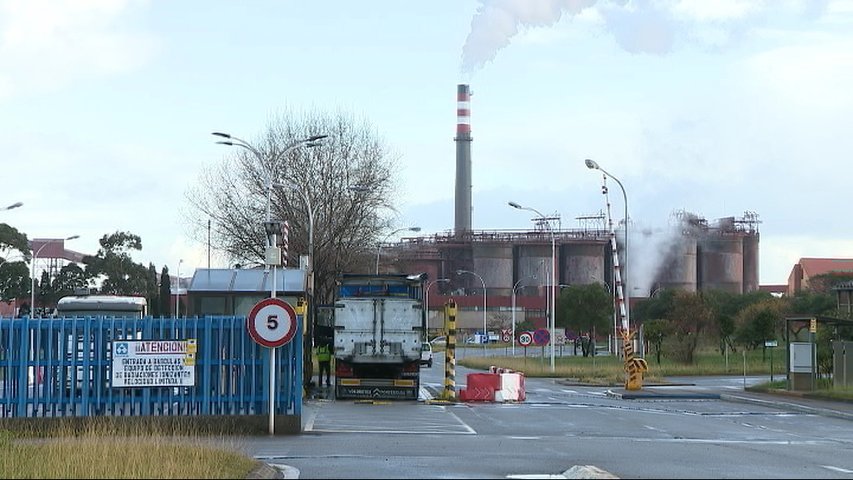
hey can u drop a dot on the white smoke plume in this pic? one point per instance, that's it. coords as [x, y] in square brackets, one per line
[638, 26]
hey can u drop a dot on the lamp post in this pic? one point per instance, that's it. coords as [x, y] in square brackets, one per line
[234, 141]
[379, 245]
[426, 301]
[14, 205]
[272, 232]
[485, 327]
[33, 271]
[591, 164]
[178, 289]
[514, 288]
[553, 289]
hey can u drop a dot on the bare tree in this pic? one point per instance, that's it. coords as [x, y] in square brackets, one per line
[347, 180]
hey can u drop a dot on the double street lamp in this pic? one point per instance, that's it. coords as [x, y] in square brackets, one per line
[33, 270]
[485, 329]
[379, 245]
[553, 288]
[272, 231]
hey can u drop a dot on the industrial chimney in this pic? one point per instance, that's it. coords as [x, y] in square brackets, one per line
[463, 160]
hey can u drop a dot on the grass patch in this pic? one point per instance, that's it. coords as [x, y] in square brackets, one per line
[101, 450]
[609, 369]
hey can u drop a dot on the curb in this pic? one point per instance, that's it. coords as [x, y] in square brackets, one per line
[788, 405]
[663, 396]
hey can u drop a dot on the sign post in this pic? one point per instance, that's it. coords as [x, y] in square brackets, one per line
[272, 323]
[770, 344]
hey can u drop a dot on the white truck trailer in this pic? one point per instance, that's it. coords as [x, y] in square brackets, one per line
[379, 325]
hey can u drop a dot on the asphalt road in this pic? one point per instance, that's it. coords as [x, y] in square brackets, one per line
[696, 435]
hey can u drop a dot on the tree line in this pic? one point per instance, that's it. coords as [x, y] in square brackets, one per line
[112, 271]
[676, 323]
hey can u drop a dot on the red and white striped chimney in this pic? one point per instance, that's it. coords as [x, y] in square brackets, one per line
[463, 160]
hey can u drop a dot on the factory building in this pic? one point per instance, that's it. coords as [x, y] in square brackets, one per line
[514, 266]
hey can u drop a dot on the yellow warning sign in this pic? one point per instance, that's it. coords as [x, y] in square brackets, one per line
[813, 326]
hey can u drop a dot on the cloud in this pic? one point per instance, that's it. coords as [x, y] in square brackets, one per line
[47, 44]
[638, 26]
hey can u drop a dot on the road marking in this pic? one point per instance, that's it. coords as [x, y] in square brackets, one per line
[526, 438]
[837, 469]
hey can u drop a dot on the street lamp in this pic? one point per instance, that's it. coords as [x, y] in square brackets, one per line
[426, 301]
[271, 230]
[591, 164]
[14, 205]
[485, 328]
[33, 271]
[379, 245]
[310, 141]
[514, 288]
[553, 319]
[178, 289]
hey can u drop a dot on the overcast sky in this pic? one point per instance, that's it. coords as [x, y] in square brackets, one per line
[716, 108]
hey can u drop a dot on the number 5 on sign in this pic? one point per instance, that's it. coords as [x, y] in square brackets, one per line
[271, 323]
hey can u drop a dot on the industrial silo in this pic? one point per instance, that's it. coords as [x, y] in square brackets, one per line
[583, 262]
[720, 264]
[750, 262]
[533, 263]
[679, 268]
[493, 262]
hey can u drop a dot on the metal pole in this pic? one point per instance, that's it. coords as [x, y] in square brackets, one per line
[553, 297]
[485, 328]
[178, 288]
[513, 318]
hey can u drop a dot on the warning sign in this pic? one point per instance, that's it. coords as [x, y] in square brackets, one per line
[156, 363]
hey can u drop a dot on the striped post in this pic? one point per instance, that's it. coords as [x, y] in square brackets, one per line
[634, 367]
[285, 227]
[450, 352]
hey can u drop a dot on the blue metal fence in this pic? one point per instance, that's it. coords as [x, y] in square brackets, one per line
[61, 367]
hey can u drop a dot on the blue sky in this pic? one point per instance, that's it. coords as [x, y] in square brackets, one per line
[716, 108]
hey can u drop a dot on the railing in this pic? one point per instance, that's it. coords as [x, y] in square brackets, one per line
[62, 367]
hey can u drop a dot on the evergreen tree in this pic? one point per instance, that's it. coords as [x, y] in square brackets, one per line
[152, 292]
[165, 292]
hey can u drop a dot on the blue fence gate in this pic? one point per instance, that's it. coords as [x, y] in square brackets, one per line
[63, 367]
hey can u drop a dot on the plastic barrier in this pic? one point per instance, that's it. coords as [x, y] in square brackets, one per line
[499, 385]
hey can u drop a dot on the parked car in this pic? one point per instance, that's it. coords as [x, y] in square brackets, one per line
[426, 354]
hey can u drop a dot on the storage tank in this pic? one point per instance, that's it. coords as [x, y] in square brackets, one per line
[493, 262]
[720, 264]
[750, 262]
[679, 268]
[582, 263]
[533, 264]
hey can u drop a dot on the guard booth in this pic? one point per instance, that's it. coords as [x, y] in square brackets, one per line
[801, 335]
[234, 293]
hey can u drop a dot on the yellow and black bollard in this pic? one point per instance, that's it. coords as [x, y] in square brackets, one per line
[634, 367]
[450, 351]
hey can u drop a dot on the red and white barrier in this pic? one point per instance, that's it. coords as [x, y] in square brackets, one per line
[499, 385]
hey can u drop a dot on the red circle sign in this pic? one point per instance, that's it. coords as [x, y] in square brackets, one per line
[525, 338]
[271, 323]
[541, 336]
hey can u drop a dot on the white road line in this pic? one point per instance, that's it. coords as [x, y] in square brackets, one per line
[837, 469]
[526, 438]
[470, 430]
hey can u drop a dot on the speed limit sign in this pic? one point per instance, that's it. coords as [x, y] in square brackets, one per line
[525, 338]
[271, 323]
